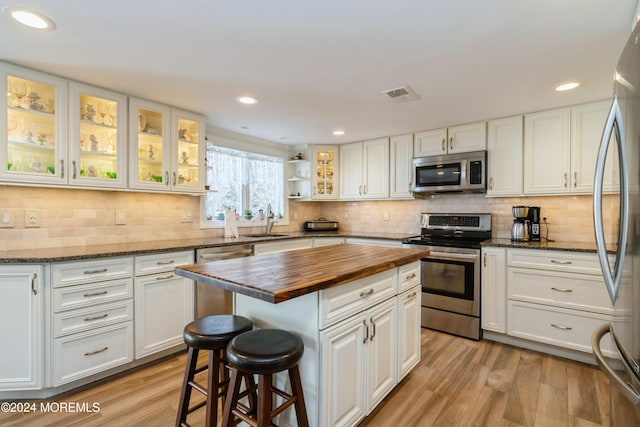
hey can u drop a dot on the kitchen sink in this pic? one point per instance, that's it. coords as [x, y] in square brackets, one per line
[265, 235]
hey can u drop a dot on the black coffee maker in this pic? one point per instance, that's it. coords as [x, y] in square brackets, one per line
[533, 217]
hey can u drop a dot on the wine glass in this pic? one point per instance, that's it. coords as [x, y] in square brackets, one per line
[102, 110]
[44, 132]
[111, 113]
[19, 90]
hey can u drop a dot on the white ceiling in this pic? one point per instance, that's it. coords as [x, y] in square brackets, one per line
[320, 65]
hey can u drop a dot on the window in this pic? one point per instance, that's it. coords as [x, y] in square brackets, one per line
[243, 181]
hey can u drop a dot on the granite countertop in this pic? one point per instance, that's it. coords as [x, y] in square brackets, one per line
[281, 276]
[544, 245]
[76, 253]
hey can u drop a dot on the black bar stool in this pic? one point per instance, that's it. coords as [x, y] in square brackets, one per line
[263, 352]
[211, 333]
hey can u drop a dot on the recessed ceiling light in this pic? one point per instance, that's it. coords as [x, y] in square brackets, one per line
[247, 100]
[338, 132]
[567, 86]
[30, 18]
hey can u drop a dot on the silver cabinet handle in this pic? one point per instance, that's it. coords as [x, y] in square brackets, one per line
[373, 333]
[165, 262]
[360, 189]
[612, 277]
[73, 168]
[91, 353]
[33, 283]
[411, 295]
[484, 260]
[314, 190]
[91, 319]
[553, 288]
[564, 328]
[575, 179]
[166, 178]
[564, 180]
[410, 276]
[366, 294]
[95, 294]
[175, 179]
[61, 168]
[553, 261]
[491, 183]
[365, 188]
[165, 277]
[103, 270]
[443, 146]
[451, 143]
[366, 335]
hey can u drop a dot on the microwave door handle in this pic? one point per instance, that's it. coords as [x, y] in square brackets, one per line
[612, 278]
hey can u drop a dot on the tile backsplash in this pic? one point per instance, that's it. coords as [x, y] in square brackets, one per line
[70, 217]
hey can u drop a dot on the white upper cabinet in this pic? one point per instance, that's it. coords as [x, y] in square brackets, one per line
[364, 169]
[97, 137]
[33, 126]
[561, 147]
[457, 139]
[504, 157]
[324, 172]
[187, 151]
[400, 174]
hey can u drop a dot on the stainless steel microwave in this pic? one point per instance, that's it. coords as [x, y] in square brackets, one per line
[462, 173]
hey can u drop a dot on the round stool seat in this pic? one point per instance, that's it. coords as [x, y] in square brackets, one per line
[264, 351]
[214, 332]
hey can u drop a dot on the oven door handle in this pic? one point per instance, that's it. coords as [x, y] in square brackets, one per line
[451, 256]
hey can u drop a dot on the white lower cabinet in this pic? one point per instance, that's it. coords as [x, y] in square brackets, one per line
[282, 246]
[408, 331]
[359, 355]
[493, 315]
[163, 301]
[92, 317]
[21, 327]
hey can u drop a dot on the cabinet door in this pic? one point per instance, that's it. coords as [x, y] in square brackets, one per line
[34, 125]
[546, 152]
[149, 145]
[408, 331]
[465, 138]
[21, 327]
[587, 122]
[504, 145]
[400, 174]
[382, 365]
[187, 152]
[351, 167]
[97, 137]
[493, 289]
[324, 172]
[375, 177]
[430, 143]
[343, 372]
[163, 306]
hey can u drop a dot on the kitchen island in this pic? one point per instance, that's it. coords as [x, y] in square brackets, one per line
[356, 308]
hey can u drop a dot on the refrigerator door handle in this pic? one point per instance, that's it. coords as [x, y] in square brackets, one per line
[626, 389]
[612, 278]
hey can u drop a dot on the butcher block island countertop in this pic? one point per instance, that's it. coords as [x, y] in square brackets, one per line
[282, 276]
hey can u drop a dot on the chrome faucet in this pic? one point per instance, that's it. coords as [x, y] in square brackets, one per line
[270, 219]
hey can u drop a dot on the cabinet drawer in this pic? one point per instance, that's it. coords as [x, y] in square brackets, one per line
[343, 301]
[80, 355]
[408, 276]
[158, 263]
[557, 326]
[577, 291]
[574, 262]
[87, 295]
[74, 273]
[70, 322]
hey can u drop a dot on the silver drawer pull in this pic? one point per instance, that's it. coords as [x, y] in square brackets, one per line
[412, 295]
[95, 294]
[165, 277]
[553, 261]
[91, 353]
[564, 328]
[366, 336]
[410, 276]
[165, 262]
[366, 294]
[91, 319]
[561, 289]
[104, 270]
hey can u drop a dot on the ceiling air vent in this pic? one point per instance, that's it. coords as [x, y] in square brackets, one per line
[401, 94]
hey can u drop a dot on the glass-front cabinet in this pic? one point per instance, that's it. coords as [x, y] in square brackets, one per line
[324, 175]
[97, 137]
[166, 148]
[33, 126]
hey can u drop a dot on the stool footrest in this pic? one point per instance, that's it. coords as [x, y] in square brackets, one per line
[198, 387]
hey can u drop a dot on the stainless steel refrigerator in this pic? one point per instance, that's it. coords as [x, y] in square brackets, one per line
[622, 272]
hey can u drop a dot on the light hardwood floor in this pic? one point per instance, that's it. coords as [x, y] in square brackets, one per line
[459, 382]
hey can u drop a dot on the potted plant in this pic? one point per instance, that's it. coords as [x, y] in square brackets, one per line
[247, 214]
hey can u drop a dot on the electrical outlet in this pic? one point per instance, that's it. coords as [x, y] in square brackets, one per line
[7, 218]
[385, 216]
[121, 216]
[187, 217]
[31, 218]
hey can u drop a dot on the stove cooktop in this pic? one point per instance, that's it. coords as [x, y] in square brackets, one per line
[453, 230]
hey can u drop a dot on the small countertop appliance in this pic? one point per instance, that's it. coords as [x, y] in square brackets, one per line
[321, 224]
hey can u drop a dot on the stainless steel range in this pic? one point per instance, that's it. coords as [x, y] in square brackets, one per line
[451, 273]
